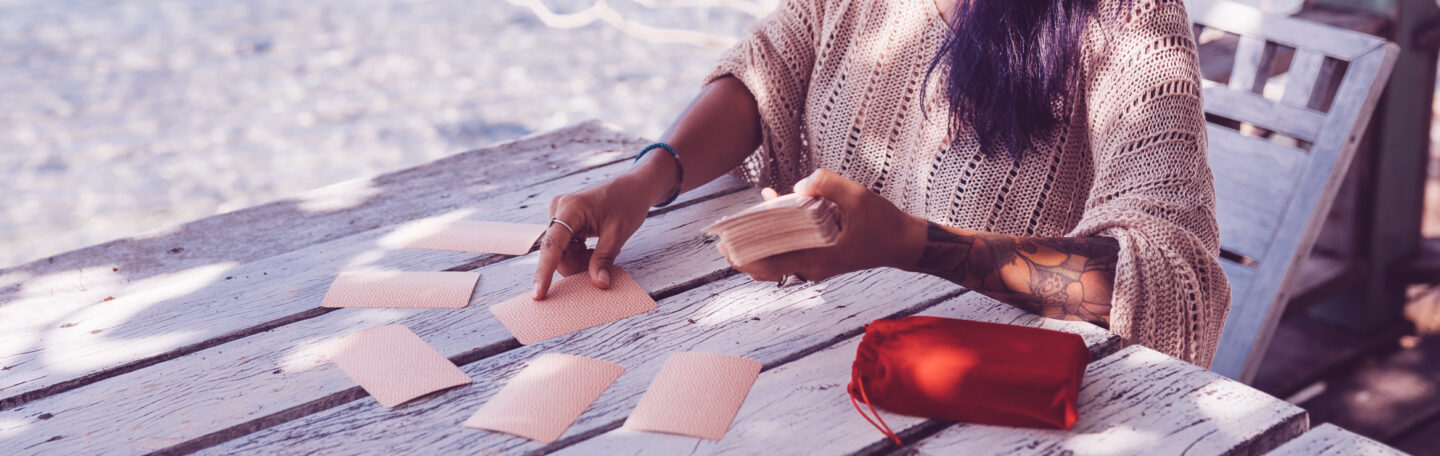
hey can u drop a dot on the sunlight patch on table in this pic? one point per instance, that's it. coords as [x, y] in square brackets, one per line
[61, 355]
[741, 302]
[89, 345]
[338, 197]
[310, 352]
[416, 229]
[1119, 439]
[11, 427]
[1234, 409]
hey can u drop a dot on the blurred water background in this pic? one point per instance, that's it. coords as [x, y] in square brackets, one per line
[123, 117]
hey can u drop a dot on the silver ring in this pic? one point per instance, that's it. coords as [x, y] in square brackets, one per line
[562, 223]
[790, 279]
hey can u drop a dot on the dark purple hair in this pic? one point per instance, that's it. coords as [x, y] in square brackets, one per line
[1010, 62]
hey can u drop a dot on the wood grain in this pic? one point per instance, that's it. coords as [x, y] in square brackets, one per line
[69, 326]
[802, 407]
[1246, 20]
[44, 343]
[1253, 108]
[280, 369]
[1142, 401]
[1253, 319]
[1254, 181]
[90, 274]
[1331, 440]
[734, 316]
[1271, 201]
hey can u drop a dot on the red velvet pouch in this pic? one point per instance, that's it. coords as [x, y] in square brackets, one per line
[971, 371]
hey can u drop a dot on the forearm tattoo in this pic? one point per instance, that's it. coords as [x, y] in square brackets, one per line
[1069, 278]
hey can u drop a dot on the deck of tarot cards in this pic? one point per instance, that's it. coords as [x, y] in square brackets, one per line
[784, 224]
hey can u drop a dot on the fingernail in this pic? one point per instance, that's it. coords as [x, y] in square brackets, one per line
[536, 293]
[604, 276]
[806, 181]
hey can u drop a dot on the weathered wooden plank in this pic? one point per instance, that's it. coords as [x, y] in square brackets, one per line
[734, 316]
[1254, 180]
[117, 267]
[1249, 60]
[279, 374]
[1244, 228]
[48, 346]
[1253, 108]
[1304, 73]
[1253, 167]
[38, 320]
[1246, 20]
[801, 407]
[1252, 320]
[1141, 401]
[1331, 440]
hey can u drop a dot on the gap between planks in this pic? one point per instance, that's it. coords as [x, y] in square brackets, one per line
[478, 262]
[18, 314]
[807, 394]
[466, 358]
[670, 241]
[807, 351]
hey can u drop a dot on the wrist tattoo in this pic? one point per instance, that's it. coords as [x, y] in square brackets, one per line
[1069, 278]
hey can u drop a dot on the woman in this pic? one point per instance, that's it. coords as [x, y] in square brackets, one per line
[1047, 153]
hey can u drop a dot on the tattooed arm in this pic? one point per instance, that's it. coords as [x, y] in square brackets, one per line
[1060, 277]
[1068, 278]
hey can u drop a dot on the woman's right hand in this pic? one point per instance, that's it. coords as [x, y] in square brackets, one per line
[716, 132]
[611, 211]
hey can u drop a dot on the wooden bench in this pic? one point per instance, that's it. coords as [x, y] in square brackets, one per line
[1279, 158]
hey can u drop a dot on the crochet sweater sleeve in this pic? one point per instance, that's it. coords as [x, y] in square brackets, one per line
[1153, 190]
[774, 61]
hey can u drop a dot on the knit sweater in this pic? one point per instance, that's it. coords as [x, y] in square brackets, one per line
[838, 84]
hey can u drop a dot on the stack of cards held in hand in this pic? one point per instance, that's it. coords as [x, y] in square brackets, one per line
[784, 224]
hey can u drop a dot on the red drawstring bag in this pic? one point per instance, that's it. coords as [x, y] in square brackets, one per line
[964, 370]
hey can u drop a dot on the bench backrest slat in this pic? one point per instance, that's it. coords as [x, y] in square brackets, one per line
[1278, 159]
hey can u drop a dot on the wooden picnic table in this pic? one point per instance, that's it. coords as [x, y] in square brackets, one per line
[208, 337]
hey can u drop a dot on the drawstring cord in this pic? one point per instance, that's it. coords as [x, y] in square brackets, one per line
[882, 427]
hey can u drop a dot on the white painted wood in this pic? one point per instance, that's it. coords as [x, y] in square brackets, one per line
[1253, 318]
[1140, 401]
[802, 407]
[244, 380]
[1297, 33]
[126, 266]
[1249, 55]
[44, 342]
[1244, 228]
[1332, 440]
[733, 316]
[1256, 109]
[1300, 84]
[782, 333]
[1254, 180]
[1248, 221]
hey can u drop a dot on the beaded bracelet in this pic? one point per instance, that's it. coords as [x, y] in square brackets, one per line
[679, 170]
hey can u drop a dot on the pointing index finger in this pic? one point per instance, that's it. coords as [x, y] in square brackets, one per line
[552, 246]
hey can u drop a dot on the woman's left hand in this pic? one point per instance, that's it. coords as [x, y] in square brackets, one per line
[874, 233]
